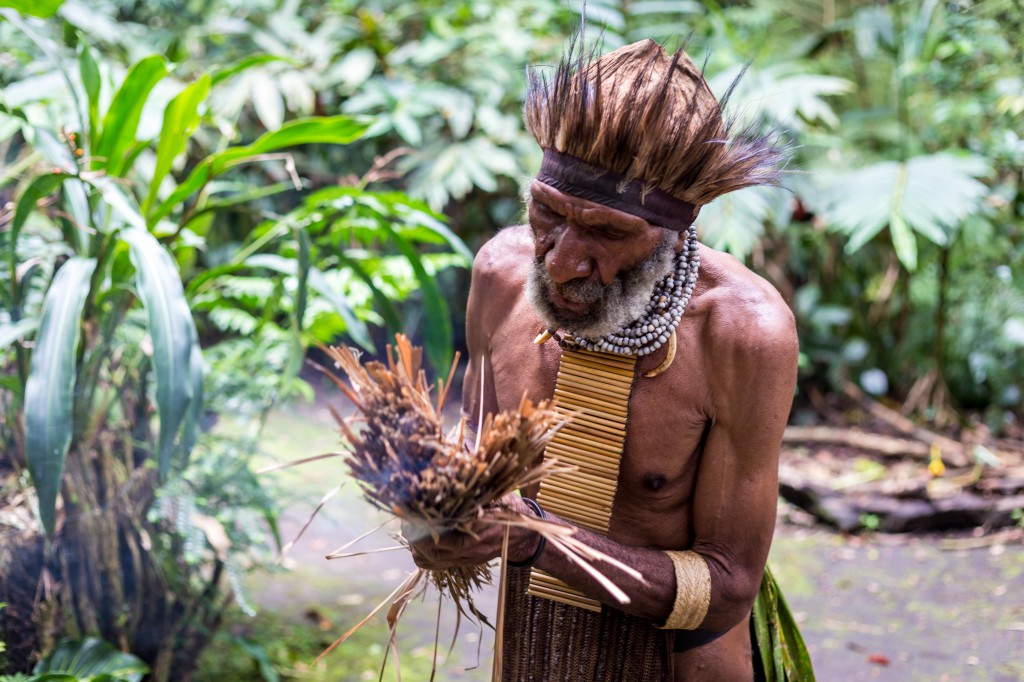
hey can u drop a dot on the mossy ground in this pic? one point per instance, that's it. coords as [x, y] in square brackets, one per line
[897, 609]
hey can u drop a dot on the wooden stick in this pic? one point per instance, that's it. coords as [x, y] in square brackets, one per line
[588, 371]
[582, 418]
[570, 452]
[952, 451]
[885, 445]
[624, 362]
[599, 511]
[285, 465]
[595, 405]
[499, 628]
[591, 444]
[595, 387]
[593, 481]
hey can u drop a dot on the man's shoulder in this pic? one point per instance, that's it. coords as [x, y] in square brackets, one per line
[504, 260]
[747, 315]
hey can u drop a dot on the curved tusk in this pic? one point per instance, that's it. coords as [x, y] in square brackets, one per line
[543, 337]
[668, 358]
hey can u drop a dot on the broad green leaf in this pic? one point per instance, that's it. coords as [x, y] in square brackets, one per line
[90, 658]
[120, 202]
[172, 332]
[9, 333]
[302, 237]
[121, 121]
[288, 266]
[319, 130]
[51, 381]
[904, 241]
[34, 8]
[437, 327]
[932, 195]
[779, 644]
[248, 194]
[89, 70]
[221, 74]
[382, 303]
[55, 151]
[181, 117]
[799, 668]
[199, 176]
[194, 416]
[332, 130]
[763, 632]
[40, 187]
[76, 203]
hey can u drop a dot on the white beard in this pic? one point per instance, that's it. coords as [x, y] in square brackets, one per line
[613, 306]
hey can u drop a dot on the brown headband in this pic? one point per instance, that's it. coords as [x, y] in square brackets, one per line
[593, 183]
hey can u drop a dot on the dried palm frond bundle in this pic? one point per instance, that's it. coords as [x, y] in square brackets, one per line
[438, 482]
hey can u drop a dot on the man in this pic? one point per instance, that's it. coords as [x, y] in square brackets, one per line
[634, 144]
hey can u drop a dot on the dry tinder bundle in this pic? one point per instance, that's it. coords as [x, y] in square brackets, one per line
[438, 482]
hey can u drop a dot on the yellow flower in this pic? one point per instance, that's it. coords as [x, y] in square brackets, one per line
[935, 466]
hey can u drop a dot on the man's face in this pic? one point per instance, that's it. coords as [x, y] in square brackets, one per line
[595, 267]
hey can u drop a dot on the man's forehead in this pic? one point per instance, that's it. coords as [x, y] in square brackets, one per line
[584, 210]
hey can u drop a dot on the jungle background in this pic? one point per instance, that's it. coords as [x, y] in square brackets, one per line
[194, 193]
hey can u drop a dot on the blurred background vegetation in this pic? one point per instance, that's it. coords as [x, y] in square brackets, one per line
[193, 193]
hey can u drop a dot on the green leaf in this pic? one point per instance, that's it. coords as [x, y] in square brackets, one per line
[762, 631]
[34, 8]
[9, 333]
[904, 241]
[382, 304]
[932, 195]
[779, 643]
[181, 117]
[120, 202]
[55, 151]
[222, 74]
[288, 266]
[193, 418]
[90, 73]
[329, 130]
[50, 385]
[41, 186]
[199, 176]
[76, 203]
[172, 331]
[121, 121]
[322, 130]
[302, 237]
[89, 658]
[437, 329]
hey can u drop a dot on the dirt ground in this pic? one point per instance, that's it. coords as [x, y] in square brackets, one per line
[875, 607]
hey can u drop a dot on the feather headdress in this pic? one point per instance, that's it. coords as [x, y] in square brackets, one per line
[650, 121]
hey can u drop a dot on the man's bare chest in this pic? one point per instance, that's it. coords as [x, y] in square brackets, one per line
[666, 423]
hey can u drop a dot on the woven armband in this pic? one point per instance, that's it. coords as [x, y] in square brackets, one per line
[693, 591]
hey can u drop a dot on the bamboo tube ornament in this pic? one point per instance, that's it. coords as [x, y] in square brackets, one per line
[594, 388]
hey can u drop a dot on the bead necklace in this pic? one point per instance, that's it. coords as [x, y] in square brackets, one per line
[655, 326]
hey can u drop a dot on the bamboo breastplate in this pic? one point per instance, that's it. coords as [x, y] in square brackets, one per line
[593, 389]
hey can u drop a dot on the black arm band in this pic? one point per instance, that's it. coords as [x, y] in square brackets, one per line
[540, 546]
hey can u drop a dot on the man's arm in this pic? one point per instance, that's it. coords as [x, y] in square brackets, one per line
[754, 372]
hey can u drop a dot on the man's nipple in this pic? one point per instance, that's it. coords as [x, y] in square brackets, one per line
[654, 482]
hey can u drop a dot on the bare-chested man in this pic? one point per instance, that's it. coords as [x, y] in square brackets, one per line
[610, 219]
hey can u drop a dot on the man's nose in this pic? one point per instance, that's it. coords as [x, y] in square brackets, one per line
[569, 258]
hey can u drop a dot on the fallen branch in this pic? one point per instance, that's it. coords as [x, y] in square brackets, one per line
[884, 445]
[953, 452]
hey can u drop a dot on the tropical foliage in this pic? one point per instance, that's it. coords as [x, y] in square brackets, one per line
[193, 192]
[139, 230]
